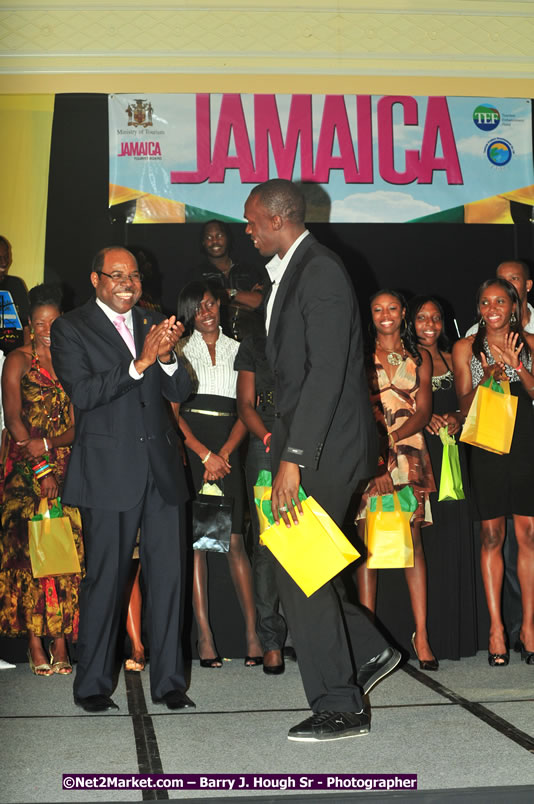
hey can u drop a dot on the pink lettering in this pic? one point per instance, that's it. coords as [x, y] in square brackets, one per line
[438, 123]
[386, 164]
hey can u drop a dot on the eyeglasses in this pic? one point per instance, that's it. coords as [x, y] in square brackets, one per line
[117, 276]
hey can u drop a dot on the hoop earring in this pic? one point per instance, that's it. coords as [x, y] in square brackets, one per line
[513, 319]
[482, 323]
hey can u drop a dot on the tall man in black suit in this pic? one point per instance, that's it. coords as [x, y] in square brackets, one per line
[125, 472]
[325, 438]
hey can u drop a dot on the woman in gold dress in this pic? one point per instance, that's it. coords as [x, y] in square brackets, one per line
[39, 421]
[400, 387]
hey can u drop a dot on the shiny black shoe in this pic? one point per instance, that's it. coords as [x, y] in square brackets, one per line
[377, 668]
[273, 669]
[323, 726]
[425, 664]
[526, 655]
[96, 703]
[289, 653]
[175, 699]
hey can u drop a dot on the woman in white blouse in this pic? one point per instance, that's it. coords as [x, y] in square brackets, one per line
[212, 433]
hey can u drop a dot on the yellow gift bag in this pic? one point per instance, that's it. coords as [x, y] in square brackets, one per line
[312, 552]
[51, 542]
[388, 535]
[491, 418]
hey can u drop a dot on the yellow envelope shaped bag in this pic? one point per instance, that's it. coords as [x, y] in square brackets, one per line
[312, 552]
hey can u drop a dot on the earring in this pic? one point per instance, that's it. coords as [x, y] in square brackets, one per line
[513, 319]
[482, 322]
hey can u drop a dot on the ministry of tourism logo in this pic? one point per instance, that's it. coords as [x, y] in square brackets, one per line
[486, 117]
[499, 152]
[140, 114]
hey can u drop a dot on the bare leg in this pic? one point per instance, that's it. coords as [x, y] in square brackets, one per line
[416, 580]
[206, 645]
[492, 567]
[366, 577]
[133, 622]
[524, 528]
[37, 654]
[241, 573]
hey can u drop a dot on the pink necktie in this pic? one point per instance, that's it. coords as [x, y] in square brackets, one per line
[124, 332]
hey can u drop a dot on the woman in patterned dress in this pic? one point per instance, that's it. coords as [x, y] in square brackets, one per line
[401, 395]
[39, 421]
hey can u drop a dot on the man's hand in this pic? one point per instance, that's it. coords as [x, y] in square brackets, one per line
[170, 339]
[159, 342]
[285, 490]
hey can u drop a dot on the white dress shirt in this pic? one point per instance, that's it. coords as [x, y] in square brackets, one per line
[276, 269]
[219, 379]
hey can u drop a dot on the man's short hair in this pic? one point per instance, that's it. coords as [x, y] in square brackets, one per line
[282, 197]
[100, 256]
[524, 266]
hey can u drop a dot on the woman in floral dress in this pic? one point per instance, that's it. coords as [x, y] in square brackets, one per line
[40, 429]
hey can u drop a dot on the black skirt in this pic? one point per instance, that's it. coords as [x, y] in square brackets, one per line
[213, 432]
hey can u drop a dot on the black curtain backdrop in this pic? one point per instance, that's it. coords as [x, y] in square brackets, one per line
[448, 260]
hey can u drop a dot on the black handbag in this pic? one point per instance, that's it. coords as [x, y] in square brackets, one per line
[212, 523]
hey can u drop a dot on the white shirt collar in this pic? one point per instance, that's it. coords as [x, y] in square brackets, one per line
[112, 314]
[276, 266]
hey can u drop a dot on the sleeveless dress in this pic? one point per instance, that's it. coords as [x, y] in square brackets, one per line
[502, 485]
[450, 548]
[46, 606]
[393, 403]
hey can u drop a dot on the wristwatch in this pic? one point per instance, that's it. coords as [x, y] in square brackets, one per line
[233, 292]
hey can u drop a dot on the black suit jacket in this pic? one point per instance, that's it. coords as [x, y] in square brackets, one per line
[324, 417]
[122, 425]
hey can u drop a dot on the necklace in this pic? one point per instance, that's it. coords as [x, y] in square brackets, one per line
[393, 358]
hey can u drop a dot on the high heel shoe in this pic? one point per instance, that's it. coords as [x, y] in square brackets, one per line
[425, 664]
[39, 669]
[213, 664]
[526, 655]
[63, 668]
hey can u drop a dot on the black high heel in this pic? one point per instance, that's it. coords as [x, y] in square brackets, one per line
[499, 659]
[213, 664]
[425, 664]
[526, 655]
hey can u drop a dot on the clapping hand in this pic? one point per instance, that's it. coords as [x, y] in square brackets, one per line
[498, 369]
[509, 353]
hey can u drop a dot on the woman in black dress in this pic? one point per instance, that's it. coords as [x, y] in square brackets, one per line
[213, 433]
[448, 541]
[502, 484]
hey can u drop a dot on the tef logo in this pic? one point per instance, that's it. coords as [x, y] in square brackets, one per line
[486, 117]
[499, 152]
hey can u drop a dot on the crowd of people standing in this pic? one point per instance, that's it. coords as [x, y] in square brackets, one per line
[126, 413]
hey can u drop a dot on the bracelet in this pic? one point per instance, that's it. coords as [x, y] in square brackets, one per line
[380, 461]
[520, 367]
[42, 469]
[45, 442]
[265, 437]
[206, 459]
[391, 440]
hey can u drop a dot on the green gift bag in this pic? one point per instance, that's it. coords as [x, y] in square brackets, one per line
[450, 484]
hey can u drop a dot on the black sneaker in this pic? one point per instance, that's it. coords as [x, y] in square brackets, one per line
[377, 668]
[331, 726]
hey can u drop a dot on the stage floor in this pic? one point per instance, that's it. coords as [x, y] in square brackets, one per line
[467, 731]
